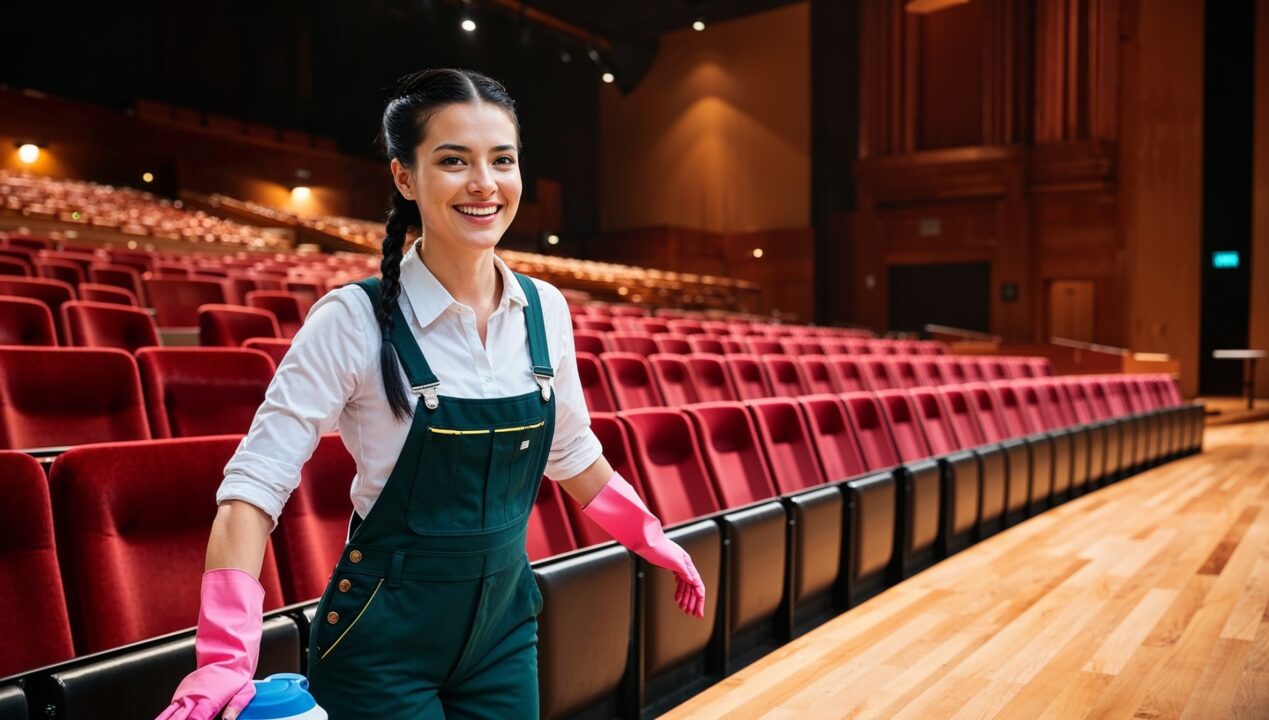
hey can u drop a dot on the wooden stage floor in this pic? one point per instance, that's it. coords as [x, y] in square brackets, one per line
[1144, 599]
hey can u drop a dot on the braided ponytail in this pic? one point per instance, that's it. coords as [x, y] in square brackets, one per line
[403, 215]
[416, 98]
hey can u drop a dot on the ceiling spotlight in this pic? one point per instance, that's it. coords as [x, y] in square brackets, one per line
[300, 193]
[469, 25]
[607, 77]
[699, 25]
[552, 239]
[28, 153]
[566, 57]
[147, 177]
[757, 252]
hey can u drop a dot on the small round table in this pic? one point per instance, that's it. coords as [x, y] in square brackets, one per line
[1249, 358]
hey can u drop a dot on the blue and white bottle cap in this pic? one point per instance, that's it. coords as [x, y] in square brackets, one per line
[283, 696]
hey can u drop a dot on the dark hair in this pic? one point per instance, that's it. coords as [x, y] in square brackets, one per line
[417, 97]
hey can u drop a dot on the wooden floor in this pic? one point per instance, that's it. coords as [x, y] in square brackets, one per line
[1144, 599]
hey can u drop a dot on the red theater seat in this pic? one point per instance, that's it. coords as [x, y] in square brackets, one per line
[835, 443]
[685, 327]
[68, 272]
[52, 397]
[613, 437]
[33, 616]
[747, 377]
[50, 292]
[275, 348]
[94, 292]
[107, 325]
[705, 344]
[15, 267]
[1040, 366]
[672, 344]
[589, 341]
[849, 372]
[790, 450]
[929, 372]
[286, 309]
[876, 372]
[595, 387]
[820, 378]
[674, 379]
[710, 376]
[762, 346]
[232, 325]
[903, 374]
[869, 427]
[203, 391]
[24, 321]
[119, 276]
[176, 300]
[132, 525]
[314, 524]
[731, 451]
[675, 481]
[629, 342]
[785, 374]
[549, 532]
[630, 376]
[904, 422]
[732, 346]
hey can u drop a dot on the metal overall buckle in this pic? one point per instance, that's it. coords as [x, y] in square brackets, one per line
[546, 382]
[429, 394]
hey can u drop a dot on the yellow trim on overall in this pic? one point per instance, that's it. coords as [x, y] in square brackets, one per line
[354, 622]
[447, 431]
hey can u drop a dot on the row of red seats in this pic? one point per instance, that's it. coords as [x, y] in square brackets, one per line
[628, 380]
[645, 342]
[130, 563]
[635, 323]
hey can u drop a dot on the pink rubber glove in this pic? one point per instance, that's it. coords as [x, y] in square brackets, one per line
[230, 621]
[619, 511]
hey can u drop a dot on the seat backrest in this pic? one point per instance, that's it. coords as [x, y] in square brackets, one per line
[286, 308]
[122, 277]
[952, 369]
[15, 267]
[132, 524]
[590, 341]
[654, 325]
[834, 440]
[630, 376]
[24, 321]
[1114, 393]
[971, 369]
[595, 387]
[1031, 405]
[902, 373]
[868, 423]
[1080, 405]
[676, 483]
[672, 344]
[931, 347]
[709, 375]
[549, 532]
[876, 369]
[905, 425]
[685, 327]
[102, 325]
[986, 405]
[53, 397]
[817, 374]
[231, 325]
[993, 368]
[1054, 398]
[314, 523]
[675, 382]
[68, 272]
[275, 348]
[50, 292]
[705, 344]
[732, 454]
[96, 292]
[850, 374]
[939, 433]
[733, 346]
[176, 299]
[748, 377]
[958, 405]
[929, 371]
[1040, 366]
[614, 437]
[632, 342]
[785, 375]
[1135, 395]
[203, 391]
[1009, 407]
[1017, 367]
[33, 621]
[795, 464]
[762, 346]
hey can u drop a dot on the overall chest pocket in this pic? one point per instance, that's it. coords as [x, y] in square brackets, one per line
[521, 451]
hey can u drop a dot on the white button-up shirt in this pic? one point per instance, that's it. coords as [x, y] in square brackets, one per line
[330, 378]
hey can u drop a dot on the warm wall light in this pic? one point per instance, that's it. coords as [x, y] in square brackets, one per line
[552, 239]
[147, 177]
[925, 7]
[29, 153]
[757, 252]
[607, 77]
[300, 193]
[699, 25]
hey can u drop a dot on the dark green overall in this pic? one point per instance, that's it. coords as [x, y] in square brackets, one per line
[432, 609]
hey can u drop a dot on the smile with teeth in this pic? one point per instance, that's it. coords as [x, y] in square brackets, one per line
[477, 211]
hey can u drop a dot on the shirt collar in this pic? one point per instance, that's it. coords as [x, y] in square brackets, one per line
[428, 298]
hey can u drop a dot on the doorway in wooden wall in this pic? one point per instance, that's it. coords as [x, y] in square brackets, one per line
[1072, 308]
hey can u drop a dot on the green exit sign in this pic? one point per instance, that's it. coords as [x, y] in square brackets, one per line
[1225, 259]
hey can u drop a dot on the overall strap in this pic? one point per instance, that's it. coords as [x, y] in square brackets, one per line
[423, 381]
[536, 328]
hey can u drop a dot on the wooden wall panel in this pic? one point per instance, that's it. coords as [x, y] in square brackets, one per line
[950, 58]
[1259, 335]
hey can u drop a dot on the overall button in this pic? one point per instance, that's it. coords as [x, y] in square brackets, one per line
[355, 556]
[332, 617]
[344, 585]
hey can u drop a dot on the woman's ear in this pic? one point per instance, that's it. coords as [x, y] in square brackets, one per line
[403, 177]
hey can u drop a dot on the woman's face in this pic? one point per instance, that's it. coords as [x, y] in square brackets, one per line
[466, 178]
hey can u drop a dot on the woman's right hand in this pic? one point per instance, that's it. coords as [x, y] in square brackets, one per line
[227, 644]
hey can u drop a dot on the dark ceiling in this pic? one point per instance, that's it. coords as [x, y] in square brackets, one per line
[648, 19]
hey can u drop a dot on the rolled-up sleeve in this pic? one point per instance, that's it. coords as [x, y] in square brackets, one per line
[316, 379]
[574, 446]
